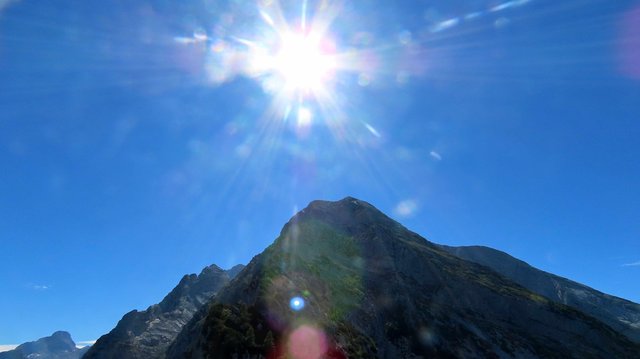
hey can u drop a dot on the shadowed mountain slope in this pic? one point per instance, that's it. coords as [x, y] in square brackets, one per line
[148, 333]
[622, 315]
[344, 280]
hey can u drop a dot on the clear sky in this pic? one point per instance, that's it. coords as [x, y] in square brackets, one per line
[144, 140]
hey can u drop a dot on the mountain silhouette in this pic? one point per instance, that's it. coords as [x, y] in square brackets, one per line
[344, 280]
[57, 346]
[148, 333]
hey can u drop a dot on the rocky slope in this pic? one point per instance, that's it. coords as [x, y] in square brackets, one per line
[58, 346]
[344, 280]
[146, 334]
[622, 315]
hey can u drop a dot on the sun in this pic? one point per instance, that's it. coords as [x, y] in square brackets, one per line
[299, 63]
[304, 63]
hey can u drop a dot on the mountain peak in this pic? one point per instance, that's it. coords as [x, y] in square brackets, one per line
[61, 334]
[345, 278]
[352, 216]
[348, 210]
[347, 202]
[212, 269]
[59, 340]
[58, 345]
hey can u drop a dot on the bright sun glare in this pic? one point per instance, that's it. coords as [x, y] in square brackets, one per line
[303, 63]
[307, 70]
[297, 62]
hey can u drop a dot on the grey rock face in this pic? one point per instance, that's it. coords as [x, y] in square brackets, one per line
[620, 314]
[147, 334]
[57, 346]
[372, 288]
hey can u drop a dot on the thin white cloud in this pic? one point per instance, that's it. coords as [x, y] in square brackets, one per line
[7, 347]
[85, 343]
[39, 286]
[509, 4]
[446, 24]
[632, 264]
[473, 15]
[198, 36]
[455, 21]
[184, 40]
[435, 155]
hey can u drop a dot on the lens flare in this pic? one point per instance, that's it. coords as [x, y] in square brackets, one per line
[297, 61]
[296, 303]
[307, 342]
[304, 116]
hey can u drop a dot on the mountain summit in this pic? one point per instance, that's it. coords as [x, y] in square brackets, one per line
[344, 280]
[57, 346]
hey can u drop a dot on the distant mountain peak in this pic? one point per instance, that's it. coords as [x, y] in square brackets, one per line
[62, 335]
[57, 346]
[212, 269]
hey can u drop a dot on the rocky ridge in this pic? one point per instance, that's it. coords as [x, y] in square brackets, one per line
[147, 334]
[620, 314]
[344, 280]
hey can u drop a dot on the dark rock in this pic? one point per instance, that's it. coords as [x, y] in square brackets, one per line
[147, 334]
[372, 288]
[620, 314]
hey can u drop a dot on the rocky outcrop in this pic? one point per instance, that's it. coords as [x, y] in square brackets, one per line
[147, 334]
[620, 314]
[57, 346]
[344, 280]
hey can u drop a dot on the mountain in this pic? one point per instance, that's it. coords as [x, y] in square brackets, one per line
[344, 280]
[58, 346]
[148, 333]
[620, 314]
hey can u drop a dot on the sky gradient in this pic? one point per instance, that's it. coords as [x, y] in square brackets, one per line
[139, 143]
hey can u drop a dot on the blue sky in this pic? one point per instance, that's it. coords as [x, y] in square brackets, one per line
[139, 143]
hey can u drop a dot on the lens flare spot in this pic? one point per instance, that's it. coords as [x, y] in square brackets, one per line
[296, 303]
[307, 343]
[304, 117]
[364, 80]
[372, 130]
[427, 337]
[406, 208]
